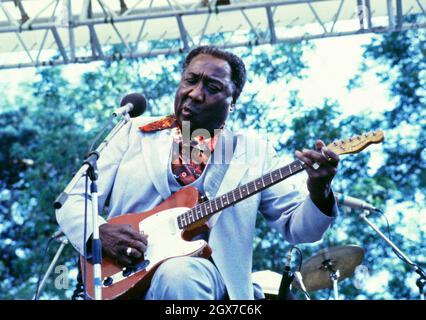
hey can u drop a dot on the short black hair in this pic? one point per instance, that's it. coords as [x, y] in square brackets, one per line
[238, 69]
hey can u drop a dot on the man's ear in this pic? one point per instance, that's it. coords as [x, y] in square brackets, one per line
[232, 106]
[234, 98]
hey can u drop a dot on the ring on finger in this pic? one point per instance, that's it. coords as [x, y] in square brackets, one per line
[329, 159]
[128, 251]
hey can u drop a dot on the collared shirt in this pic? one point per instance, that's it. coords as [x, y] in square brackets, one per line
[189, 158]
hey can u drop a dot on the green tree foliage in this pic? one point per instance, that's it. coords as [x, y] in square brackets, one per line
[35, 162]
[403, 58]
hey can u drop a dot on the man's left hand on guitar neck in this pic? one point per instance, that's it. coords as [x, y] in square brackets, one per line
[319, 179]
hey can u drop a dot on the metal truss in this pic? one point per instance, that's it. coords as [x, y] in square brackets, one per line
[53, 32]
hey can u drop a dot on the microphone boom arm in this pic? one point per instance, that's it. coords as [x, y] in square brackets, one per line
[62, 198]
[422, 279]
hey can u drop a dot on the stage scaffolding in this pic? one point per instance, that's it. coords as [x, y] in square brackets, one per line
[54, 32]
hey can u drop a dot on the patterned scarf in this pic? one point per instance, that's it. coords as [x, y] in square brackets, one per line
[189, 158]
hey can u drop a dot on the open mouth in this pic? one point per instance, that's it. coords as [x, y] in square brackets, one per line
[187, 112]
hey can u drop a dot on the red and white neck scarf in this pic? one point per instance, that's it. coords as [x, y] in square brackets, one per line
[185, 167]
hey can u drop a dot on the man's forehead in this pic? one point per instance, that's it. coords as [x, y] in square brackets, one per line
[209, 65]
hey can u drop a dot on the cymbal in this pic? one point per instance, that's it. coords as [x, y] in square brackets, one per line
[342, 258]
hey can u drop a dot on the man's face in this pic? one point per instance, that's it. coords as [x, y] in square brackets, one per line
[205, 93]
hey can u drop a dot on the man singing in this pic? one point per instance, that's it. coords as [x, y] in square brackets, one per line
[151, 158]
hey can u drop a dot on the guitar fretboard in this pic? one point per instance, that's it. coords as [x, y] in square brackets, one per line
[240, 193]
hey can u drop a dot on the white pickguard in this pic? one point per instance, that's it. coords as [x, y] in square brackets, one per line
[164, 237]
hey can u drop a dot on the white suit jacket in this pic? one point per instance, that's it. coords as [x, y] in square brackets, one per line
[133, 178]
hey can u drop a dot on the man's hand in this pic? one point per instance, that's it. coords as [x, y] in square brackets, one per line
[116, 239]
[319, 181]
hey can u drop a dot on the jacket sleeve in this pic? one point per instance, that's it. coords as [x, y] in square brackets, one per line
[71, 216]
[290, 211]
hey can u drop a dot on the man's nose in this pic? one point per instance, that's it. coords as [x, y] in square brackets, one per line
[196, 93]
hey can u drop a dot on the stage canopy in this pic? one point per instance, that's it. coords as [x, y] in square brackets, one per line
[54, 32]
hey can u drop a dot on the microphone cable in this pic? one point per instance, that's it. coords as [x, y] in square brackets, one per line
[299, 268]
[390, 238]
[288, 276]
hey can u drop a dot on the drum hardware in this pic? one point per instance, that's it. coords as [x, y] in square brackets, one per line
[328, 267]
[334, 275]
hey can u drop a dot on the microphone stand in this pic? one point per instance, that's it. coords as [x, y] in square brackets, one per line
[422, 275]
[89, 167]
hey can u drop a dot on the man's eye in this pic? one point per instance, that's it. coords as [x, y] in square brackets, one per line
[191, 80]
[214, 89]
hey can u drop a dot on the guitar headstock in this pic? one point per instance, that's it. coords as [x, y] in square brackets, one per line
[356, 144]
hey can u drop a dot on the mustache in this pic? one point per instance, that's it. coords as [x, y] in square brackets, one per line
[190, 107]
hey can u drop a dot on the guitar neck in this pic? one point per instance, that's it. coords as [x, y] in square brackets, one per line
[352, 145]
[240, 193]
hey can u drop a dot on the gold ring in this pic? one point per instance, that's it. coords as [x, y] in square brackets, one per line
[329, 159]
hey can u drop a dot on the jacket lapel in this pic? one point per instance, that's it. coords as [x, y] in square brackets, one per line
[156, 154]
[218, 182]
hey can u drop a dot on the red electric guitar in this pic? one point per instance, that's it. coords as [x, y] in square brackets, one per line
[173, 223]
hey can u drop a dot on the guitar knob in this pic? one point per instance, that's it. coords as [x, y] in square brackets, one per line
[127, 271]
[107, 281]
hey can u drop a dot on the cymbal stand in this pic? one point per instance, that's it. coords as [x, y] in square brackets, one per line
[422, 274]
[334, 276]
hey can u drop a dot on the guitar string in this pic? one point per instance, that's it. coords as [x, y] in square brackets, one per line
[267, 180]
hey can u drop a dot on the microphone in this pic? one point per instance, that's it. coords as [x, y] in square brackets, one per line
[286, 280]
[354, 203]
[134, 104]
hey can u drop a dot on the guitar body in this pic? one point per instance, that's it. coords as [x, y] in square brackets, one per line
[165, 241]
